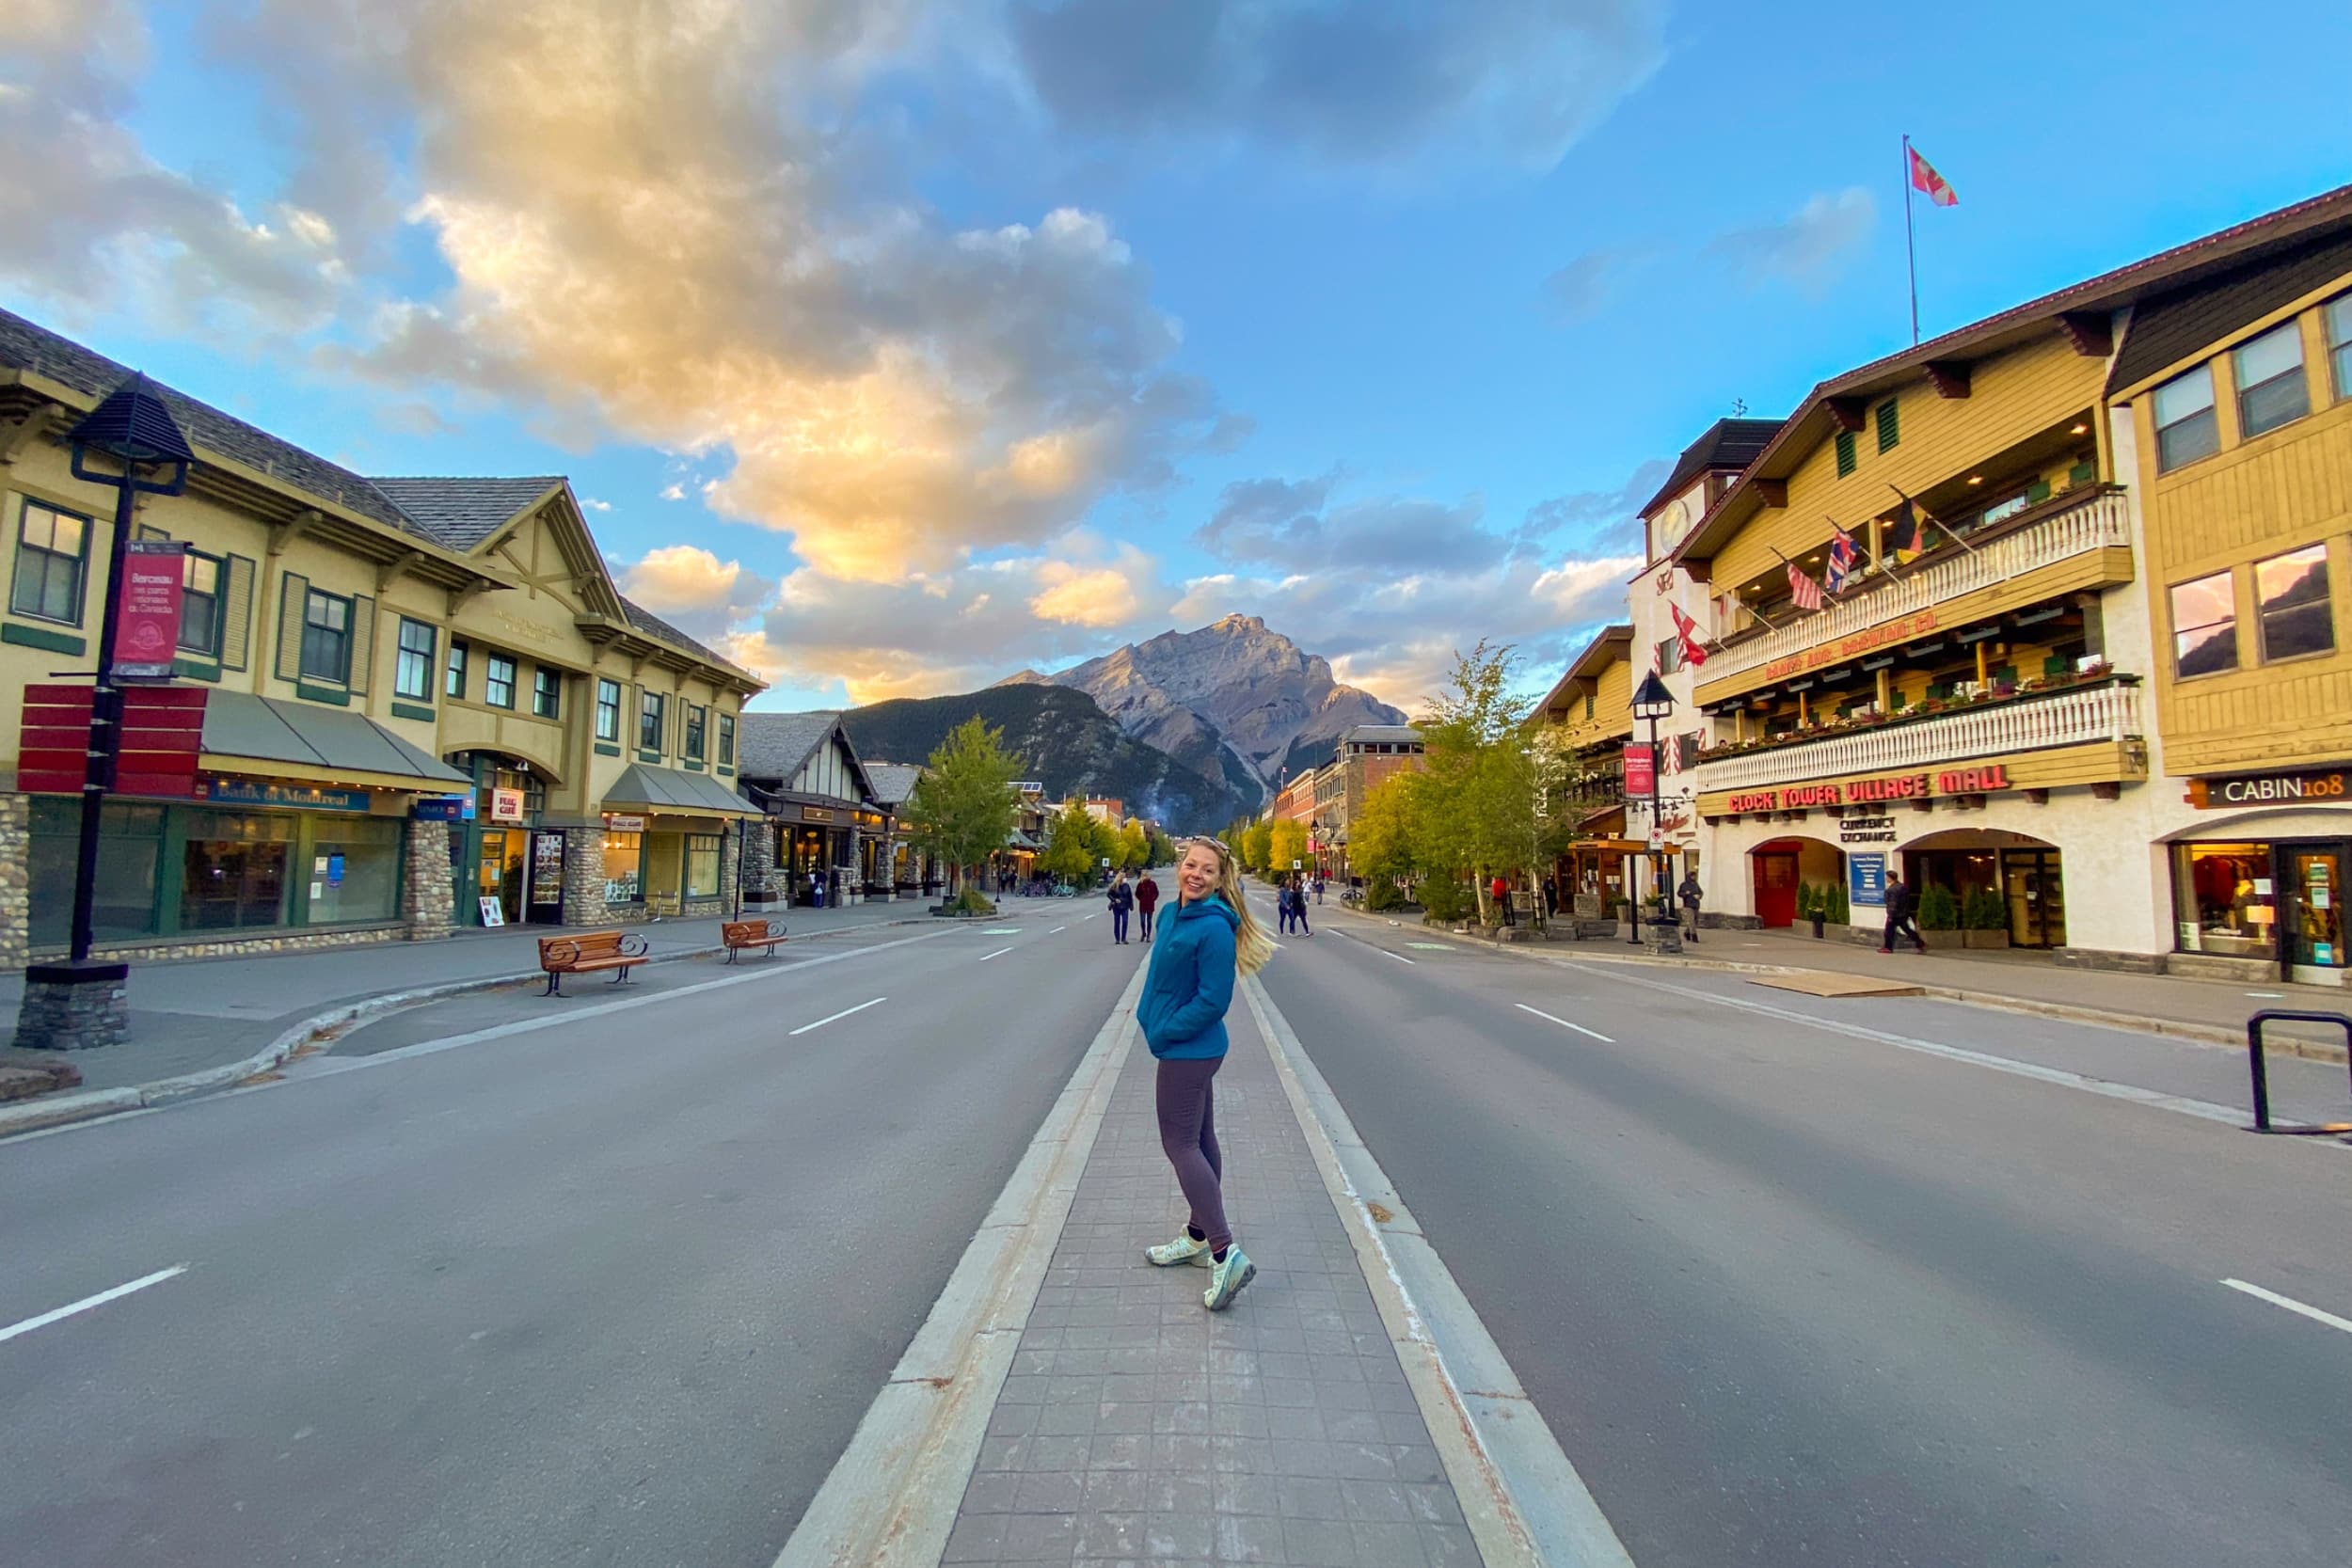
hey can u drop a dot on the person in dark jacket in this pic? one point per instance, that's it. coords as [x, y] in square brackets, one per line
[1208, 942]
[1147, 899]
[1689, 893]
[1899, 921]
[1123, 900]
[1298, 906]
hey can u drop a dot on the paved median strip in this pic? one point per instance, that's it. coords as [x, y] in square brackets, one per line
[101, 1299]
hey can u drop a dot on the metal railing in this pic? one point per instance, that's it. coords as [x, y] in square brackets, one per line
[2098, 521]
[2072, 717]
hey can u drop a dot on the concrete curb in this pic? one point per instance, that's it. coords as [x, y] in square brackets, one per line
[891, 1499]
[2200, 1033]
[320, 1028]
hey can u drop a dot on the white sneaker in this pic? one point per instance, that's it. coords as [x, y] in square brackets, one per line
[1183, 1249]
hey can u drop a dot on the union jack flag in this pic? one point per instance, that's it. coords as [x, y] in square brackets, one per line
[1842, 553]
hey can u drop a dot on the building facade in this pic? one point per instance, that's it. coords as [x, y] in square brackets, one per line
[826, 840]
[412, 696]
[1590, 709]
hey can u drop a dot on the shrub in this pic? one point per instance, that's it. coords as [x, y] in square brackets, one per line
[1938, 910]
[1806, 900]
[1447, 899]
[1381, 892]
[1984, 910]
[971, 901]
[1840, 910]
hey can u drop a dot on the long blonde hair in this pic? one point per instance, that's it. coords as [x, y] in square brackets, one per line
[1252, 947]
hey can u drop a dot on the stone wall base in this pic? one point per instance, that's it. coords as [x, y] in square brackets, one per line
[242, 947]
[1715, 920]
[73, 1008]
[2192, 966]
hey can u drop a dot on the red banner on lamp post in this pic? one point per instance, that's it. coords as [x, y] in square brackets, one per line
[146, 629]
[1641, 771]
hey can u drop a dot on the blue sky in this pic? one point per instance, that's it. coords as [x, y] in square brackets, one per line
[897, 345]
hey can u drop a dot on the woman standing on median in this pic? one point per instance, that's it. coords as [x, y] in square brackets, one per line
[1203, 945]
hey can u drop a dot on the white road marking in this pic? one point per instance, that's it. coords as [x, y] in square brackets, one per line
[1057, 930]
[101, 1299]
[2266, 995]
[1398, 957]
[998, 954]
[2260, 1294]
[842, 1014]
[1096, 915]
[1564, 1024]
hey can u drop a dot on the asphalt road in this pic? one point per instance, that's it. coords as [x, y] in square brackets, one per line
[615, 1291]
[1791, 1296]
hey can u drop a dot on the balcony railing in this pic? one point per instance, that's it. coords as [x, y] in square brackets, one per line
[2098, 521]
[2029, 723]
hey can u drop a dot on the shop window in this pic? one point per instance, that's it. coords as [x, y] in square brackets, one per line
[697, 720]
[199, 604]
[726, 740]
[623, 868]
[2223, 901]
[547, 692]
[609, 710]
[456, 686]
[2339, 323]
[702, 866]
[354, 872]
[232, 874]
[497, 681]
[326, 637]
[52, 555]
[2186, 428]
[130, 864]
[1845, 453]
[1889, 428]
[2271, 390]
[2204, 627]
[412, 675]
[2292, 592]
[651, 715]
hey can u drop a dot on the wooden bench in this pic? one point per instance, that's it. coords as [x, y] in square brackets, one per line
[742, 935]
[587, 954]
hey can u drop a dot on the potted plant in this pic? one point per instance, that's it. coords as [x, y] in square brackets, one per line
[1840, 910]
[1939, 917]
[1812, 907]
[1985, 919]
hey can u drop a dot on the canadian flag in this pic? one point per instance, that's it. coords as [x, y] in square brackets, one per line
[1923, 177]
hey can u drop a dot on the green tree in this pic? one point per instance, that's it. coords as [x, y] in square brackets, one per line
[1479, 796]
[1286, 843]
[965, 805]
[1256, 846]
[1380, 839]
[1069, 844]
[1135, 846]
[1163, 849]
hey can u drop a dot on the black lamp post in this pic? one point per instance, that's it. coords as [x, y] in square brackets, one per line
[1653, 701]
[79, 1003]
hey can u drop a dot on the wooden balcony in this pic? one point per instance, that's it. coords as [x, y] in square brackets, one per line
[2071, 545]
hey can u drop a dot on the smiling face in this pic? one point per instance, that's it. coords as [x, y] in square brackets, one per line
[1197, 874]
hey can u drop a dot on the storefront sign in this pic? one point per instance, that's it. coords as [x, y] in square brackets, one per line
[1902, 629]
[1867, 830]
[1865, 880]
[147, 610]
[816, 814]
[506, 805]
[1892, 786]
[245, 792]
[615, 823]
[1641, 774]
[546, 870]
[2268, 789]
[444, 808]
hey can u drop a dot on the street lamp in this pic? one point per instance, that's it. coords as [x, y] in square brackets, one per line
[1653, 701]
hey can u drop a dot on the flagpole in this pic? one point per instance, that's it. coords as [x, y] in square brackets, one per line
[1911, 243]
[1931, 517]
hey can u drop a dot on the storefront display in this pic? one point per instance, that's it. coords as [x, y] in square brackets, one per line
[624, 867]
[2280, 902]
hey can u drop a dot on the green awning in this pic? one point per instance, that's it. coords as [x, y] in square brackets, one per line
[265, 734]
[645, 788]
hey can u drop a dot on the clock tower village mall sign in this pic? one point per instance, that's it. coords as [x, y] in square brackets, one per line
[1872, 791]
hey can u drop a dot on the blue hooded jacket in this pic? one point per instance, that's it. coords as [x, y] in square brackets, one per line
[1190, 981]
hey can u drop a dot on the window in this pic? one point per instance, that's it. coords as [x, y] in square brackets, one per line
[456, 668]
[412, 675]
[702, 866]
[547, 692]
[199, 604]
[2339, 325]
[2221, 899]
[726, 740]
[650, 720]
[2291, 591]
[2185, 427]
[2204, 627]
[2270, 386]
[497, 681]
[326, 637]
[696, 723]
[1845, 453]
[609, 710]
[1890, 431]
[51, 549]
[1588, 708]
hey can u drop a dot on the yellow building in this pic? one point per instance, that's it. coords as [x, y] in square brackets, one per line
[1591, 708]
[426, 703]
[2068, 551]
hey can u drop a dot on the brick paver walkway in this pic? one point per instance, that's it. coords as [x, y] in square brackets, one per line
[1137, 1427]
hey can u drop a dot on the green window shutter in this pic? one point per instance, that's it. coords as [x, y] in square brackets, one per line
[1890, 431]
[362, 645]
[236, 612]
[2038, 491]
[293, 599]
[1845, 453]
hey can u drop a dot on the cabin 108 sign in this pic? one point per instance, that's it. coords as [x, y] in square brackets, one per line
[1873, 791]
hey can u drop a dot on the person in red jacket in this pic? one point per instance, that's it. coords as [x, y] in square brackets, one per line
[1502, 891]
[1147, 899]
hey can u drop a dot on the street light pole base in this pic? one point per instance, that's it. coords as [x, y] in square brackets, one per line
[74, 1006]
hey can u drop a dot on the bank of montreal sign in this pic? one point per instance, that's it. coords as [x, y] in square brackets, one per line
[1872, 791]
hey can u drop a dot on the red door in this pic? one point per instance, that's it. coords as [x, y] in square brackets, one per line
[1777, 887]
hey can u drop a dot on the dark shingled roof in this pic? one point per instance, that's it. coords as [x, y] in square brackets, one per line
[27, 346]
[1727, 444]
[773, 745]
[465, 512]
[655, 626]
[894, 782]
[2172, 326]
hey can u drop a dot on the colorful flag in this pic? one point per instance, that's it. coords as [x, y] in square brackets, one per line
[1686, 630]
[1904, 537]
[1802, 589]
[1842, 553]
[1923, 177]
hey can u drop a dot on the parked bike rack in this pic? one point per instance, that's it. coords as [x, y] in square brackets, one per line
[2254, 1027]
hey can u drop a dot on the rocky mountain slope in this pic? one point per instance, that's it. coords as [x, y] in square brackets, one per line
[1234, 701]
[1064, 739]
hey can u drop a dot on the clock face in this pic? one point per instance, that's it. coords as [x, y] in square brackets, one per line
[1674, 523]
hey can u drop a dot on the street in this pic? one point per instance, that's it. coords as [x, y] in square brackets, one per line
[613, 1279]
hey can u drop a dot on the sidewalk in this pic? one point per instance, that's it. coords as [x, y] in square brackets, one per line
[206, 1013]
[1137, 1426]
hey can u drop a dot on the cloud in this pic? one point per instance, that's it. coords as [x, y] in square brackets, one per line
[1097, 596]
[595, 505]
[1605, 521]
[1808, 249]
[1585, 283]
[704, 596]
[1352, 82]
[1288, 524]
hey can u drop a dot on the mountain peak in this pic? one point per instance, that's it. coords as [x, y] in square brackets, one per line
[1239, 622]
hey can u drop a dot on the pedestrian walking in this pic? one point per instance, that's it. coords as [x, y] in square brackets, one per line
[1318, 890]
[1689, 893]
[1208, 942]
[1899, 921]
[1298, 906]
[1283, 907]
[1147, 899]
[1501, 892]
[1552, 897]
[1123, 900]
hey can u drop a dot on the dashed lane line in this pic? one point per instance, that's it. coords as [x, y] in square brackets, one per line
[2291, 1305]
[101, 1299]
[1563, 1022]
[836, 1018]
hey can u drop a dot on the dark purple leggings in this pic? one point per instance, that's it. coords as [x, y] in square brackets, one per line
[1187, 1106]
